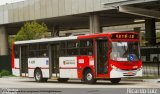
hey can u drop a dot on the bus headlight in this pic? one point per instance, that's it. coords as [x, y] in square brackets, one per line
[114, 67]
[139, 69]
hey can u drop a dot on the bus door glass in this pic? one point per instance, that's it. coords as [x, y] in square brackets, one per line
[55, 58]
[102, 55]
[24, 60]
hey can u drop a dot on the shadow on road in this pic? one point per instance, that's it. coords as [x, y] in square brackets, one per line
[82, 83]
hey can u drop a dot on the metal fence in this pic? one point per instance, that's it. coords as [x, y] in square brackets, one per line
[151, 69]
[151, 61]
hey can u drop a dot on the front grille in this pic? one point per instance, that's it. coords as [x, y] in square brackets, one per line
[126, 74]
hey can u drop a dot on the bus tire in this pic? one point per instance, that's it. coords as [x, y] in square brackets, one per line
[89, 77]
[115, 80]
[39, 77]
[63, 80]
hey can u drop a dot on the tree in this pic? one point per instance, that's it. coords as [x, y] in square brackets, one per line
[31, 30]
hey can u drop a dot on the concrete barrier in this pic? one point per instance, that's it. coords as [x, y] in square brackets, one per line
[5, 63]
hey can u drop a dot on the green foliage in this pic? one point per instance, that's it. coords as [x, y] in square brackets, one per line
[31, 30]
[5, 73]
[10, 40]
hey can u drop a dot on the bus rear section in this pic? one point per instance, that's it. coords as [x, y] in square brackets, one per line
[86, 57]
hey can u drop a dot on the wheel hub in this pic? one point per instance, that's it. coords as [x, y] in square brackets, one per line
[38, 76]
[89, 76]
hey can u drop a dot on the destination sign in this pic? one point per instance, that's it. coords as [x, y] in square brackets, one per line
[124, 36]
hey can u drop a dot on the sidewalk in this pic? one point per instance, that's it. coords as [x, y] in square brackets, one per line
[12, 77]
[142, 80]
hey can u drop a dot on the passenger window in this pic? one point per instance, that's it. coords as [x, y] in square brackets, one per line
[86, 47]
[16, 51]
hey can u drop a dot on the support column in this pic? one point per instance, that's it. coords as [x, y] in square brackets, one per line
[94, 21]
[5, 60]
[3, 41]
[150, 29]
[55, 32]
[138, 29]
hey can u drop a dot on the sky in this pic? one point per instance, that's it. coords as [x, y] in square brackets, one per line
[2, 2]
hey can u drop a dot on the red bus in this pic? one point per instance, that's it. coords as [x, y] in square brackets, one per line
[111, 55]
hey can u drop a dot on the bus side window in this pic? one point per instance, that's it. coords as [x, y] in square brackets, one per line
[86, 47]
[63, 48]
[72, 47]
[16, 51]
[43, 50]
[38, 50]
[33, 50]
[89, 43]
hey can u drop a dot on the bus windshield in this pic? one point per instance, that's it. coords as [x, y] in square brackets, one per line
[125, 51]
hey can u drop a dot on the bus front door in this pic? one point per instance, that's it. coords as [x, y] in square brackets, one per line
[102, 56]
[24, 61]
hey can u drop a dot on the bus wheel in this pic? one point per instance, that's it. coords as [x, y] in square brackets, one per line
[63, 80]
[115, 80]
[89, 77]
[38, 76]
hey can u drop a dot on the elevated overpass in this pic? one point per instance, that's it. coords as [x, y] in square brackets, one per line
[93, 15]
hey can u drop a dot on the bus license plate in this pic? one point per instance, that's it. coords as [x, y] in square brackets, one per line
[130, 73]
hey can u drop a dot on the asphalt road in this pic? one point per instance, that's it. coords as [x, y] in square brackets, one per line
[17, 85]
[17, 82]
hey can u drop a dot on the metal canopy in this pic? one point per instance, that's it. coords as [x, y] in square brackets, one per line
[140, 11]
[126, 2]
[148, 9]
[125, 14]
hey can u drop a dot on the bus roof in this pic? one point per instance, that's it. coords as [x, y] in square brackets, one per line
[67, 38]
[46, 40]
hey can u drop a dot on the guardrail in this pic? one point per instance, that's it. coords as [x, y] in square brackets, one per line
[151, 69]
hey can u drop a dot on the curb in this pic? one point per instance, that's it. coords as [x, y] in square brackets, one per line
[139, 80]
[143, 80]
[9, 77]
[151, 80]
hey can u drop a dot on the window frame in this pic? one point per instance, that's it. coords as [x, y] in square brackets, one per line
[64, 48]
[17, 49]
[37, 50]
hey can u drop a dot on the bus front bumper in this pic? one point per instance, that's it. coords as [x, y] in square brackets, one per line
[123, 73]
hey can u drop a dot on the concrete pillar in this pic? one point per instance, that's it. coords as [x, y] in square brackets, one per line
[150, 30]
[3, 41]
[138, 29]
[94, 21]
[55, 32]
